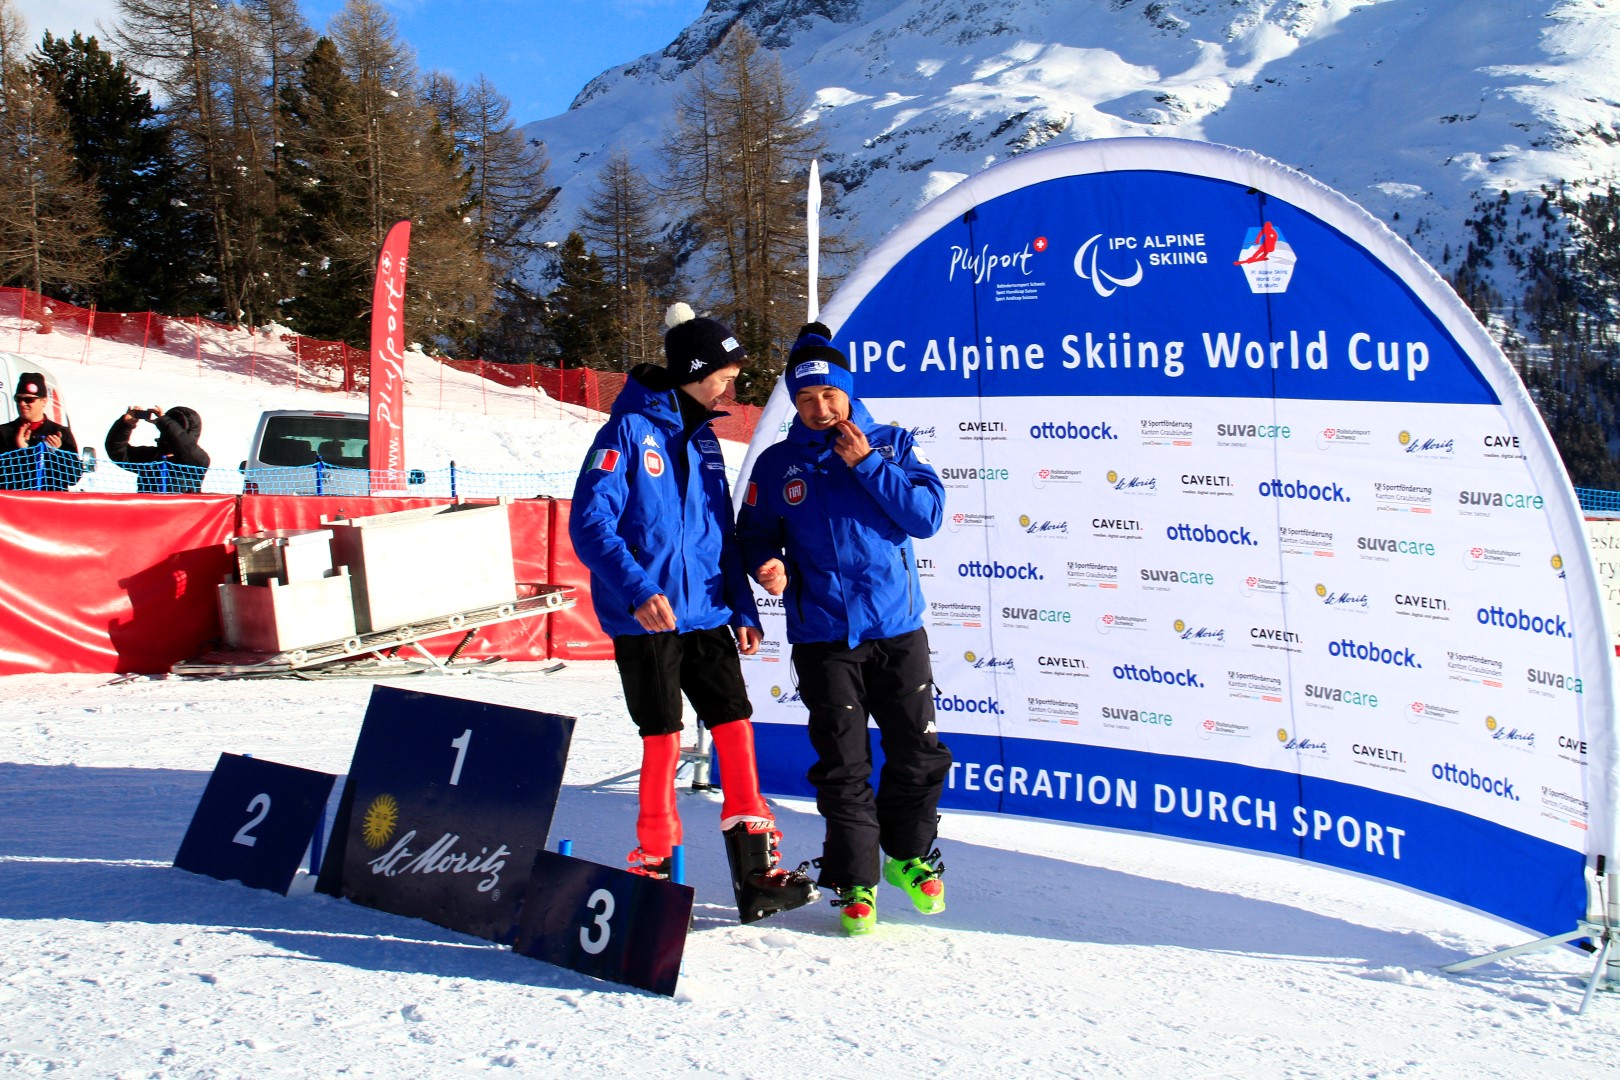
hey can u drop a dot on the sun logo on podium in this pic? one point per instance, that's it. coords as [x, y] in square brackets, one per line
[381, 818]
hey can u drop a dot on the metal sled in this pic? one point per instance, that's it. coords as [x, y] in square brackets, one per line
[378, 653]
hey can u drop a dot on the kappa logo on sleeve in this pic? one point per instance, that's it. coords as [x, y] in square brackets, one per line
[606, 460]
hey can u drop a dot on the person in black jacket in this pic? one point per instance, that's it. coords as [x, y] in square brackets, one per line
[175, 464]
[37, 454]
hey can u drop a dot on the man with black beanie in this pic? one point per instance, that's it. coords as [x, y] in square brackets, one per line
[652, 520]
[827, 521]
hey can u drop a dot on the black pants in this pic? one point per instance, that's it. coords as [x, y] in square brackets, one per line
[655, 669]
[892, 680]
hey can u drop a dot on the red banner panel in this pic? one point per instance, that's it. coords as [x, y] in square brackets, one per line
[575, 633]
[110, 583]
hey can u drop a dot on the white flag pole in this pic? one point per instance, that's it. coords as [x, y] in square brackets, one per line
[812, 230]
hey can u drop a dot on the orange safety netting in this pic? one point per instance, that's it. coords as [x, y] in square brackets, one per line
[55, 329]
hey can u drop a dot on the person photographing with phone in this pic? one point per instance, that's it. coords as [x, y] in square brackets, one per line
[175, 464]
[37, 453]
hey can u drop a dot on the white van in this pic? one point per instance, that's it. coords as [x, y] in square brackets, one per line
[310, 452]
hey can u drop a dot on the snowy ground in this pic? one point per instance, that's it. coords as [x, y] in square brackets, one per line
[1064, 952]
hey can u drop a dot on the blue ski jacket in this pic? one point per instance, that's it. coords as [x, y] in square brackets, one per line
[652, 514]
[843, 533]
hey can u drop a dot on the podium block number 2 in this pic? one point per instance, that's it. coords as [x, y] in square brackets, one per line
[244, 835]
[254, 821]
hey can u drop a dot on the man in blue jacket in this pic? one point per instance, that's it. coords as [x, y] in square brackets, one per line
[827, 523]
[652, 521]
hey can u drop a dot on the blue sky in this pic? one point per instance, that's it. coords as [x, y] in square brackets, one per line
[539, 53]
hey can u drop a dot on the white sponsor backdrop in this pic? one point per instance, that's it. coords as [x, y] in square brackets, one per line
[1303, 575]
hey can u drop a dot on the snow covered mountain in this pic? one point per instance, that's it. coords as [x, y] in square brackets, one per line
[1416, 109]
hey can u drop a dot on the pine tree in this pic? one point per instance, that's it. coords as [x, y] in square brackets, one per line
[618, 226]
[735, 162]
[580, 308]
[364, 150]
[506, 179]
[48, 215]
[152, 240]
[179, 46]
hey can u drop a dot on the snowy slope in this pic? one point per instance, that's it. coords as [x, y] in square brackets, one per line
[1410, 108]
[1064, 952]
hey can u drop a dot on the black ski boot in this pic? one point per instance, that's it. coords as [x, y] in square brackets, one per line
[762, 888]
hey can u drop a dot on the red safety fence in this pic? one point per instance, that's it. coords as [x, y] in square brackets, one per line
[58, 330]
[121, 583]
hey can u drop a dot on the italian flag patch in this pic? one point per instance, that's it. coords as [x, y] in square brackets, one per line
[752, 495]
[606, 460]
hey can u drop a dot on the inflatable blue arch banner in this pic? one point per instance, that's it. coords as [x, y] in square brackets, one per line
[1253, 536]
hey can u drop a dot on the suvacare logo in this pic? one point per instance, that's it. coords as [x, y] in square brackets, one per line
[1303, 491]
[987, 663]
[1151, 717]
[974, 472]
[1372, 652]
[1099, 431]
[1465, 776]
[1241, 434]
[1036, 615]
[1504, 619]
[1204, 533]
[1542, 681]
[1155, 579]
[999, 571]
[1385, 548]
[955, 703]
[1158, 676]
[1483, 502]
[1329, 696]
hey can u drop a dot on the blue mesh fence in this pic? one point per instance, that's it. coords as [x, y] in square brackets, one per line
[43, 469]
[1604, 503]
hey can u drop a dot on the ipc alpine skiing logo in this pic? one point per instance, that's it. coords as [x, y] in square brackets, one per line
[1106, 284]
[1267, 260]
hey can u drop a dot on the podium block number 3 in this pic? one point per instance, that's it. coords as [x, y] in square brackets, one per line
[589, 941]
